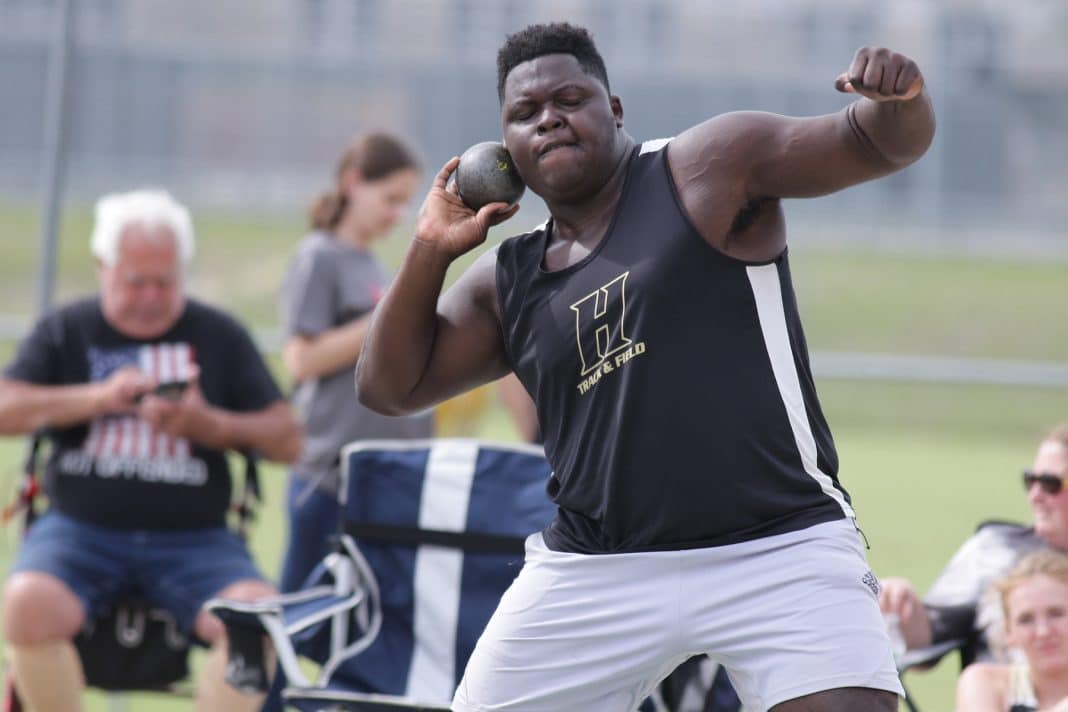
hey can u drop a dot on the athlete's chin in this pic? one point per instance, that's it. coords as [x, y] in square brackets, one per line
[560, 185]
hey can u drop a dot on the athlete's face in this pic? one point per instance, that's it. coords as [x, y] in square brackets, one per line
[561, 126]
[142, 294]
[1037, 622]
[1050, 511]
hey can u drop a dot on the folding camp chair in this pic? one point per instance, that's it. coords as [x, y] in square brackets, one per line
[432, 536]
[133, 646]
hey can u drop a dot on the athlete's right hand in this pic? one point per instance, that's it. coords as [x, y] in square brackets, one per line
[447, 224]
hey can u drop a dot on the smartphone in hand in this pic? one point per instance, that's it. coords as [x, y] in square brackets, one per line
[171, 390]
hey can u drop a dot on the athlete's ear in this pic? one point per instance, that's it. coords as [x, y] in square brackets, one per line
[617, 110]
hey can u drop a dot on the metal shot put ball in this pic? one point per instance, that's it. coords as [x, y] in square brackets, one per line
[486, 174]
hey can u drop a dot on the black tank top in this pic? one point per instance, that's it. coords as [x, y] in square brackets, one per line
[672, 383]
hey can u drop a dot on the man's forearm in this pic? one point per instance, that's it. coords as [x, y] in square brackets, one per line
[26, 407]
[273, 432]
[899, 131]
[400, 340]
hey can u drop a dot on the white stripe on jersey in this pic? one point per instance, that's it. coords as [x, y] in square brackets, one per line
[653, 145]
[767, 291]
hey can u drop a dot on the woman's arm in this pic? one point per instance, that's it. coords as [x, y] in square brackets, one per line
[327, 352]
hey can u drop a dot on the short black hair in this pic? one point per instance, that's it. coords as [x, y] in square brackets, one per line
[554, 38]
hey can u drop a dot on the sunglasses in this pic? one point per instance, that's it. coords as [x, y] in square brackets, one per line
[1047, 481]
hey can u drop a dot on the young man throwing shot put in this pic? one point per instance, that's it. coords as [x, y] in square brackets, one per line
[653, 321]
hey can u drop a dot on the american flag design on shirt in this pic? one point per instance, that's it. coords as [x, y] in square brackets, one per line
[129, 436]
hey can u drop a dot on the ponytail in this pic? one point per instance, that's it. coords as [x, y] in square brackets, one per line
[326, 211]
[375, 155]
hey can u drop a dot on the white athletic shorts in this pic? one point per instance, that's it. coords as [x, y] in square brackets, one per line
[787, 615]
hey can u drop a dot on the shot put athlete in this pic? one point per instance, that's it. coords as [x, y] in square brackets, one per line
[660, 281]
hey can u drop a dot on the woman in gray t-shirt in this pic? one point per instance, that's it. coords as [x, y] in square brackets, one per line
[330, 288]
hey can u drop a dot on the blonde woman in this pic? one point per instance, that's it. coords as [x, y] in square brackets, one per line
[1034, 600]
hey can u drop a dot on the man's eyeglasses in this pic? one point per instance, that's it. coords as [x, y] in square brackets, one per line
[1047, 481]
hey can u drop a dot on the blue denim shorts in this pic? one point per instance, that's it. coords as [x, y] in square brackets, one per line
[176, 570]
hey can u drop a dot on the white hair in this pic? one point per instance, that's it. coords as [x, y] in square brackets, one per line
[151, 208]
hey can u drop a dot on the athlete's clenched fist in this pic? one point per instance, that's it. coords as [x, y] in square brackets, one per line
[881, 74]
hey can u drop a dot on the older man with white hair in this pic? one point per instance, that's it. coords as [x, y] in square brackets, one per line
[140, 390]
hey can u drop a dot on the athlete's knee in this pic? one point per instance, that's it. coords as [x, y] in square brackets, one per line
[39, 608]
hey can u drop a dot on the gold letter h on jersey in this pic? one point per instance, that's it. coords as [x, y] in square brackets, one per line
[599, 323]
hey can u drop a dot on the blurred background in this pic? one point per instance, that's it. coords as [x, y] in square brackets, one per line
[239, 104]
[934, 299]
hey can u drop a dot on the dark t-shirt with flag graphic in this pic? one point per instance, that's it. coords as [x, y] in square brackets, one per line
[117, 471]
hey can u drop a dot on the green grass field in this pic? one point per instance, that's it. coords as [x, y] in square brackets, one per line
[924, 463]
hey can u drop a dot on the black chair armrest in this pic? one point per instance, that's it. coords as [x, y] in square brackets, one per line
[927, 656]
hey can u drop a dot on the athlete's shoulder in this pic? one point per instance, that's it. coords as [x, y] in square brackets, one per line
[652, 146]
[517, 248]
[650, 161]
[527, 237]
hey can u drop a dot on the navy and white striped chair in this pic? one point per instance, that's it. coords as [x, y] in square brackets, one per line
[433, 535]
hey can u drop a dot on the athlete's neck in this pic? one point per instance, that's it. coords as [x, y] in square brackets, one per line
[583, 223]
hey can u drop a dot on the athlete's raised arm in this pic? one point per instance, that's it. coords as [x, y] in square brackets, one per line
[737, 162]
[422, 347]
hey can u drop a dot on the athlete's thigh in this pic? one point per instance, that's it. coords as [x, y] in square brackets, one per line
[574, 633]
[794, 615]
[846, 699]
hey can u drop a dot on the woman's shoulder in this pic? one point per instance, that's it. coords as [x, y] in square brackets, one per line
[317, 242]
[987, 670]
[984, 686]
[322, 246]
[316, 251]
